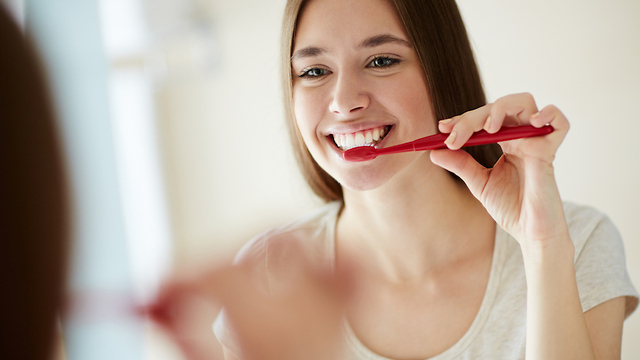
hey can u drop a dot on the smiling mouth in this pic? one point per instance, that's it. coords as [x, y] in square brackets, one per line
[368, 137]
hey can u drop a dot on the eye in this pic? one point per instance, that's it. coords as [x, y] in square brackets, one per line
[383, 62]
[315, 72]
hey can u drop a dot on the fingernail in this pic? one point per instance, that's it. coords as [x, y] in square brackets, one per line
[487, 124]
[451, 139]
[535, 115]
[445, 121]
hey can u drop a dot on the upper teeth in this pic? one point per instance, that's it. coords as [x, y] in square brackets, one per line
[360, 138]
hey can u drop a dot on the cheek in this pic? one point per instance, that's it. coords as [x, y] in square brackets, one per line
[308, 113]
[411, 99]
[414, 92]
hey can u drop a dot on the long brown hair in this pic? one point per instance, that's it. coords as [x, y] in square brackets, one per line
[439, 37]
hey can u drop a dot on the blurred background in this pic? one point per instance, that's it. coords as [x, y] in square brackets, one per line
[172, 121]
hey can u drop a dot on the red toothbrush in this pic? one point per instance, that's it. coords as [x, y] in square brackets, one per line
[432, 142]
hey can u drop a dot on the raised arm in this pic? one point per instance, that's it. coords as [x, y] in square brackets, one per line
[521, 195]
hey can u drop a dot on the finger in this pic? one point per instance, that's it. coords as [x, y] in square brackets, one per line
[510, 110]
[465, 167]
[465, 125]
[446, 125]
[164, 310]
[553, 116]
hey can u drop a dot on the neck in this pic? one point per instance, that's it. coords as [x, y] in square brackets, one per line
[414, 225]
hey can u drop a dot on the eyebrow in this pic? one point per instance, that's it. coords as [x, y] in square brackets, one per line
[367, 43]
[308, 52]
[381, 40]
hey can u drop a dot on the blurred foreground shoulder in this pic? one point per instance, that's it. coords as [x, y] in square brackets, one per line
[311, 235]
[274, 256]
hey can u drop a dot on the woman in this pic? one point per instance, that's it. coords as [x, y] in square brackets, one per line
[438, 277]
[455, 259]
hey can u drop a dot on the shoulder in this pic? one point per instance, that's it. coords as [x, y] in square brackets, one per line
[273, 257]
[305, 231]
[600, 259]
[595, 237]
[273, 254]
[578, 212]
[584, 221]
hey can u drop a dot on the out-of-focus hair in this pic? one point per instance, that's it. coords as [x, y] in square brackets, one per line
[33, 205]
[439, 37]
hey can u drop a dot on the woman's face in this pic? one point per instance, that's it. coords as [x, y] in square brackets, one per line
[358, 81]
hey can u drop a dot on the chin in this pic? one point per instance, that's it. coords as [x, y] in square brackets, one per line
[360, 183]
[382, 171]
[365, 178]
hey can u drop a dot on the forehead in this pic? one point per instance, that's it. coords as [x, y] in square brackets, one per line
[345, 22]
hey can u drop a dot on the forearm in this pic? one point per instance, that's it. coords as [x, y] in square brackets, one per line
[556, 327]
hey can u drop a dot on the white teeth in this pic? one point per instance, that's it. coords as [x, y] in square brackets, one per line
[351, 141]
[360, 138]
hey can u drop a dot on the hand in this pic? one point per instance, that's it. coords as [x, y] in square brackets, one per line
[186, 317]
[299, 323]
[520, 191]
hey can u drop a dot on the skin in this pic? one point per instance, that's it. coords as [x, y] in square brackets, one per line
[421, 242]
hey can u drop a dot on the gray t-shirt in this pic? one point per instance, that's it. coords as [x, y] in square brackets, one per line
[498, 330]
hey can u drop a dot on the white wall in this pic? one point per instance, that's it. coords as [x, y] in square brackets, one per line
[228, 164]
[227, 157]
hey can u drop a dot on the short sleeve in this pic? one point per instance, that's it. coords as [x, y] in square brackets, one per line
[601, 270]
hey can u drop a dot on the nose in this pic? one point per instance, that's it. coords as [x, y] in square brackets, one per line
[349, 97]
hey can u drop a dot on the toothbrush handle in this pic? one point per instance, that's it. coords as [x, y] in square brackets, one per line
[508, 133]
[482, 137]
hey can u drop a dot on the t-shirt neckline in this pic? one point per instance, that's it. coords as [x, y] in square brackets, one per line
[488, 299]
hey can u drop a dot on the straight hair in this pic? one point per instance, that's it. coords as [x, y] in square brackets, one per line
[439, 38]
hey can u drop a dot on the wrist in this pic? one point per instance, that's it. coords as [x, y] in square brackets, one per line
[548, 251]
[548, 263]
